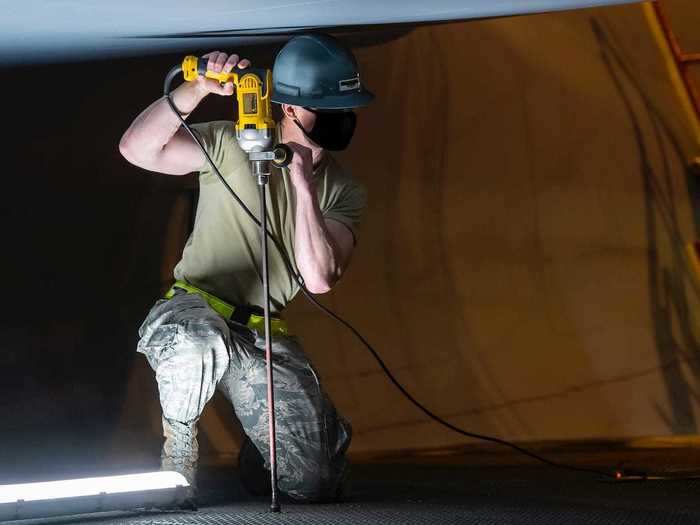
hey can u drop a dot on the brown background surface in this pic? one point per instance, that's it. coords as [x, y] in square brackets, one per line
[521, 266]
[520, 269]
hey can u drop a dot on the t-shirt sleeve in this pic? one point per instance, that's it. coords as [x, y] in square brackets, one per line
[348, 204]
[219, 141]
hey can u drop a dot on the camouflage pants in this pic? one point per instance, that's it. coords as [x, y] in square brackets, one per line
[193, 351]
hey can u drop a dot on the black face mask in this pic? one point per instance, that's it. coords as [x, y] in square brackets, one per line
[332, 130]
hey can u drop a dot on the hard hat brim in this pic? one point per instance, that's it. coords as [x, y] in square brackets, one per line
[348, 101]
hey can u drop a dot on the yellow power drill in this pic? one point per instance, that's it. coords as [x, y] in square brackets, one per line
[255, 126]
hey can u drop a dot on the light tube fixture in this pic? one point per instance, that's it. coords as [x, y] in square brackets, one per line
[77, 496]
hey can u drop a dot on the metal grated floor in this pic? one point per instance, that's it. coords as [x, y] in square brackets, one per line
[430, 495]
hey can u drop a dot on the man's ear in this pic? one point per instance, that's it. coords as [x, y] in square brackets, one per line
[288, 111]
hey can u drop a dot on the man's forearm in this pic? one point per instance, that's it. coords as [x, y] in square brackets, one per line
[317, 256]
[157, 124]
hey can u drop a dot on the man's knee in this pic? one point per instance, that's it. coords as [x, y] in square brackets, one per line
[316, 483]
[187, 344]
[305, 480]
[311, 462]
[314, 467]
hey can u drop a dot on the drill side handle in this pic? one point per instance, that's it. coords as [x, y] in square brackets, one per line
[194, 67]
[220, 76]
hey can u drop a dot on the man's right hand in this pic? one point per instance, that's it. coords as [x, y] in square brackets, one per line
[219, 62]
[156, 141]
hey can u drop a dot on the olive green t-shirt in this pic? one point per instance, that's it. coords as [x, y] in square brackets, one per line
[223, 252]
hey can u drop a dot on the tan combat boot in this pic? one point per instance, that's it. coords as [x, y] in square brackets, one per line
[180, 453]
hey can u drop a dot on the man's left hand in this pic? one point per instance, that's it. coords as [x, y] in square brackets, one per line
[301, 168]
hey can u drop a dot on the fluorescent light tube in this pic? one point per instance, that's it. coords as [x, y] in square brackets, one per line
[72, 488]
[73, 496]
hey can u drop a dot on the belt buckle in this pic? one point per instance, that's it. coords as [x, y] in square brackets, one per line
[240, 315]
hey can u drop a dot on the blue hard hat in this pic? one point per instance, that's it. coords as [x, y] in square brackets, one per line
[316, 71]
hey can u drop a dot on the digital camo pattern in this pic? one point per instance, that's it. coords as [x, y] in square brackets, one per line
[180, 450]
[311, 437]
[187, 344]
[193, 351]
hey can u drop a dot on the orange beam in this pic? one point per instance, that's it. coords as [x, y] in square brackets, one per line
[666, 26]
[690, 57]
[682, 59]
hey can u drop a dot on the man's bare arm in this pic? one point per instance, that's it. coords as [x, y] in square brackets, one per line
[156, 141]
[322, 247]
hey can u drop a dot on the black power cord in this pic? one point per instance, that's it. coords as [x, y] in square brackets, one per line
[174, 72]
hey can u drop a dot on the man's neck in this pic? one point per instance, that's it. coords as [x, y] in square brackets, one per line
[292, 133]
